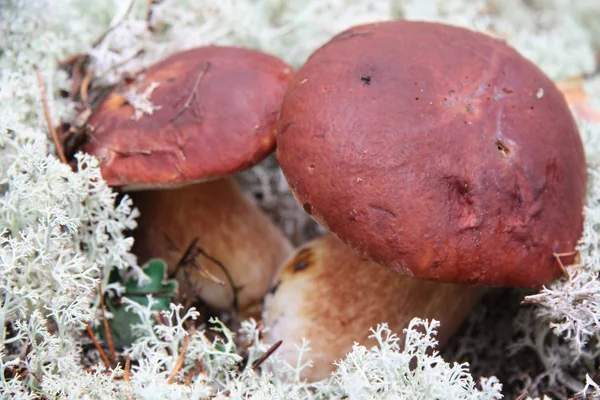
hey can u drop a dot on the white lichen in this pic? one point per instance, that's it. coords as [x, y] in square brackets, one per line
[62, 232]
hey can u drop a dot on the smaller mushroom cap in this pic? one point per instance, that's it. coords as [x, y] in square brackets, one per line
[329, 296]
[213, 114]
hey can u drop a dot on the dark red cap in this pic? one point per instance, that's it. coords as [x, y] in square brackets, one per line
[437, 151]
[215, 114]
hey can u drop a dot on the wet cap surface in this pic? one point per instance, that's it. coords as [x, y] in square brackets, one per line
[437, 151]
[215, 110]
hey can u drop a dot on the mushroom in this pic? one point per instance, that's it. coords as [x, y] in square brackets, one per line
[326, 294]
[436, 151]
[209, 112]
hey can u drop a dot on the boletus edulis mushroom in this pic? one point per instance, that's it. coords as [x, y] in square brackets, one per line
[327, 294]
[437, 151]
[214, 114]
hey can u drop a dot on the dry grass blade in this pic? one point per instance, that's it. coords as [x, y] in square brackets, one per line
[193, 94]
[84, 90]
[103, 355]
[57, 143]
[107, 332]
[521, 396]
[180, 360]
[127, 372]
[258, 362]
[558, 257]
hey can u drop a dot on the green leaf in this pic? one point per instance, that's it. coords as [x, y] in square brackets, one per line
[161, 289]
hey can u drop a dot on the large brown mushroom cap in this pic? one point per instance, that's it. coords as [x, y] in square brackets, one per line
[437, 151]
[215, 109]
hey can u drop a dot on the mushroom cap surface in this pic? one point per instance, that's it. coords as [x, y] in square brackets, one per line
[214, 114]
[437, 151]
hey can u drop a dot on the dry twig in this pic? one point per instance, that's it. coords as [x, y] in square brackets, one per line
[180, 360]
[57, 143]
[103, 356]
[84, 90]
[257, 363]
[127, 372]
[107, 332]
[193, 95]
[558, 257]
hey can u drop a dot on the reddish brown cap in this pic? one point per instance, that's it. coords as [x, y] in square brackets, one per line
[215, 110]
[437, 151]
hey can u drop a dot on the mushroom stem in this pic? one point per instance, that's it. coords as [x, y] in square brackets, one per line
[328, 295]
[230, 230]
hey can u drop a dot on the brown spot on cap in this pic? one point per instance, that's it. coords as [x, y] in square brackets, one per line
[216, 109]
[473, 122]
[303, 259]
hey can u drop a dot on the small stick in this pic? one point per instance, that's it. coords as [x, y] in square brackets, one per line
[257, 363]
[522, 395]
[192, 95]
[186, 254]
[107, 332]
[127, 373]
[560, 263]
[76, 80]
[188, 376]
[57, 144]
[85, 85]
[199, 366]
[219, 264]
[188, 257]
[180, 360]
[98, 347]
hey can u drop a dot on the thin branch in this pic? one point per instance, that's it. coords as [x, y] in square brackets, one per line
[258, 362]
[84, 89]
[97, 344]
[188, 258]
[107, 332]
[180, 360]
[522, 395]
[558, 257]
[193, 94]
[188, 376]
[127, 372]
[57, 144]
[218, 263]
[121, 63]
[76, 79]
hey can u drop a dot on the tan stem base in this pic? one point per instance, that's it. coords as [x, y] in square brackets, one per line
[329, 296]
[229, 228]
